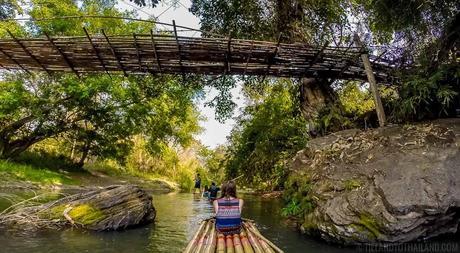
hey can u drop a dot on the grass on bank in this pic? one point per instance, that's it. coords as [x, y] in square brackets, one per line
[30, 173]
[112, 169]
[50, 168]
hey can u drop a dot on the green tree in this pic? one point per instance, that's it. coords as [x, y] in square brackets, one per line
[415, 33]
[299, 21]
[8, 8]
[312, 22]
[214, 162]
[152, 3]
[100, 113]
[269, 132]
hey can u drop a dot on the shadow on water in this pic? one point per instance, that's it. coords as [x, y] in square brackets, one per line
[178, 216]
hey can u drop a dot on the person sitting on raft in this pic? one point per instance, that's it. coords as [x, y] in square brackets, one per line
[206, 192]
[228, 210]
[213, 191]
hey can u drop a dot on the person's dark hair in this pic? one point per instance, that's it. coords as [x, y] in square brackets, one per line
[222, 189]
[230, 189]
[213, 183]
[206, 188]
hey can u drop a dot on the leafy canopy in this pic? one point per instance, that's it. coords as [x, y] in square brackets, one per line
[268, 132]
[99, 112]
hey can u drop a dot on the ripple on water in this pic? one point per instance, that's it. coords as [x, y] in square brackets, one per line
[178, 217]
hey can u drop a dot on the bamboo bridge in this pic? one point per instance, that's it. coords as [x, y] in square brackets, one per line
[172, 54]
[169, 53]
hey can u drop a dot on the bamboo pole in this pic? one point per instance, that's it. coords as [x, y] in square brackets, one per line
[265, 246]
[271, 59]
[228, 57]
[154, 46]
[139, 61]
[191, 245]
[220, 244]
[27, 51]
[229, 244]
[139, 53]
[203, 238]
[254, 241]
[179, 50]
[373, 83]
[212, 238]
[64, 57]
[15, 61]
[245, 242]
[256, 232]
[117, 58]
[99, 57]
[237, 244]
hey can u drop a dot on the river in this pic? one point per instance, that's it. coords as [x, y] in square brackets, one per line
[178, 216]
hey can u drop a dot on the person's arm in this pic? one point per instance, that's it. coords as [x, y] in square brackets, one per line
[216, 206]
[241, 205]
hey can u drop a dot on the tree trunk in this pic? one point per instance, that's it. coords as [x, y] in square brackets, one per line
[448, 41]
[288, 14]
[85, 153]
[315, 94]
[14, 148]
[72, 151]
[110, 208]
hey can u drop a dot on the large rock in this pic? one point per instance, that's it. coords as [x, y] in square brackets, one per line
[391, 185]
[109, 208]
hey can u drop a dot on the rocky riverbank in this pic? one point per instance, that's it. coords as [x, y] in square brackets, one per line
[390, 185]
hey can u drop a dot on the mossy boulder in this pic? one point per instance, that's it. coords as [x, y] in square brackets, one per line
[389, 185]
[109, 208]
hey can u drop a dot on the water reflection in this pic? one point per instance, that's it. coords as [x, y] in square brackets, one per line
[178, 217]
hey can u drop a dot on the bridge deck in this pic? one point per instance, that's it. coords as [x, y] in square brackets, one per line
[154, 53]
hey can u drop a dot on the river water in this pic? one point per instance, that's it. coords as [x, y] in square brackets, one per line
[178, 217]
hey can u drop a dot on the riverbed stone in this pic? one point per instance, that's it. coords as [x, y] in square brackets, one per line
[389, 185]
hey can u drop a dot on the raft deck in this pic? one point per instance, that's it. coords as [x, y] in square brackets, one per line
[249, 240]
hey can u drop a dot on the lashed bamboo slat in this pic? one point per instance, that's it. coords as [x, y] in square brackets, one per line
[254, 241]
[221, 244]
[192, 244]
[164, 53]
[253, 229]
[207, 240]
[229, 244]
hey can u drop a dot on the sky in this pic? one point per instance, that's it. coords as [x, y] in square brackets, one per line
[214, 133]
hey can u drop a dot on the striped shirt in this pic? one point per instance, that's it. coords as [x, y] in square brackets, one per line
[228, 218]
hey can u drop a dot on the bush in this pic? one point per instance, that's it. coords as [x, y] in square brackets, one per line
[43, 159]
[428, 95]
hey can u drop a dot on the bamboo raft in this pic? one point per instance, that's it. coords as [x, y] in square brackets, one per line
[249, 240]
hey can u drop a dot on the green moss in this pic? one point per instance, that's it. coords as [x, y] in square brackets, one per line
[309, 223]
[351, 184]
[86, 214]
[82, 214]
[368, 225]
[54, 213]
